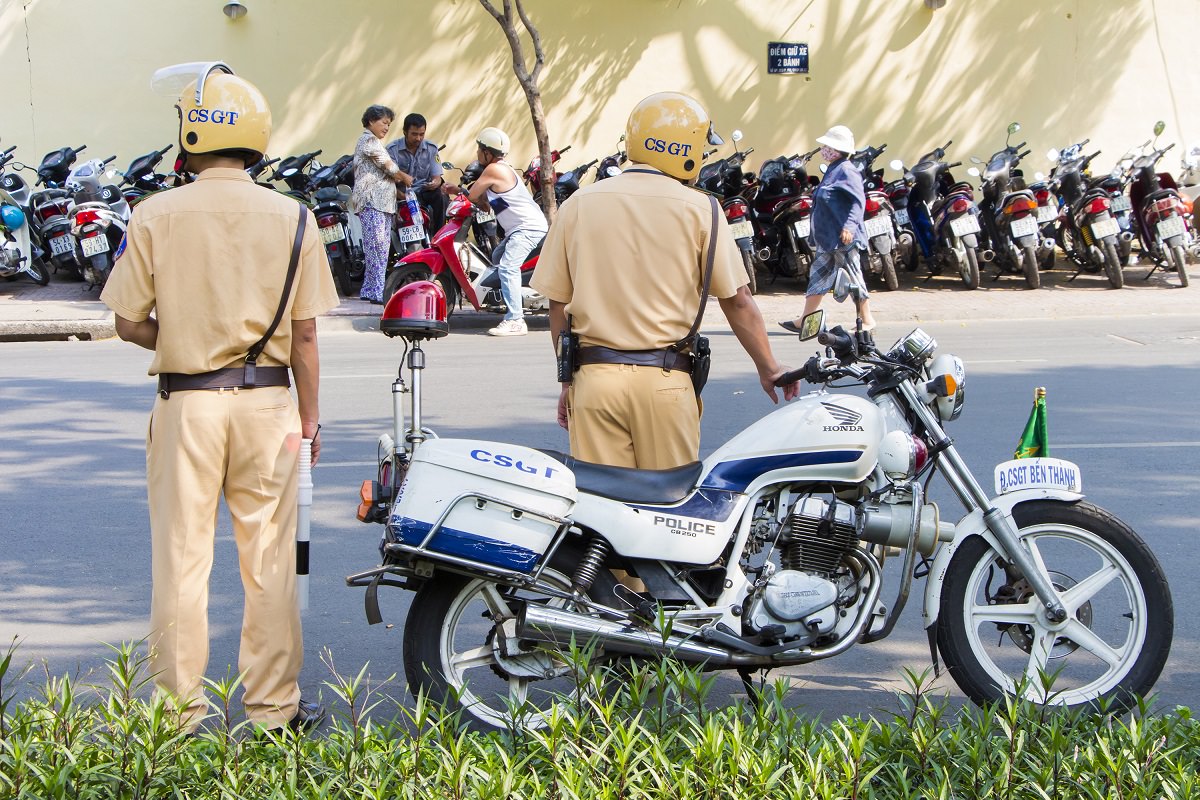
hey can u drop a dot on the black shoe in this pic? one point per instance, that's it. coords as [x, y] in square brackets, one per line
[790, 326]
[308, 716]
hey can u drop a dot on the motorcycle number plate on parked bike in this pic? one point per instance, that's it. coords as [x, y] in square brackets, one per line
[802, 227]
[1121, 203]
[94, 245]
[1025, 226]
[1047, 214]
[1105, 227]
[61, 245]
[333, 233]
[877, 226]
[964, 225]
[741, 230]
[1171, 226]
[1038, 473]
[412, 233]
[901, 216]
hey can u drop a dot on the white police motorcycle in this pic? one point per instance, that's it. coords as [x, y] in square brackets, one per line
[17, 257]
[769, 553]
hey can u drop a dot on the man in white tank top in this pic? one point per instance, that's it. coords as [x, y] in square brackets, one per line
[499, 187]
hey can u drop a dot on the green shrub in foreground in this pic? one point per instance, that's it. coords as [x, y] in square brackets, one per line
[648, 735]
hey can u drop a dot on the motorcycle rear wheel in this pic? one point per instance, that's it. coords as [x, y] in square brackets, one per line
[404, 275]
[1112, 266]
[969, 269]
[38, 272]
[1120, 623]
[341, 274]
[1029, 261]
[453, 656]
[1179, 261]
[748, 262]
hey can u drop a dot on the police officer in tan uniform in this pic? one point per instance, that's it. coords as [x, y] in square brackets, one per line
[210, 260]
[625, 260]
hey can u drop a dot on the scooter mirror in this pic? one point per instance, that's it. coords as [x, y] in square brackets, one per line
[112, 173]
[612, 172]
[1039, 176]
[1013, 127]
[1159, 127]
[736, 136]
[448, 165]
[1052, 155]
[973, 172]
[896, 164]
[622, 138]
[976, 160]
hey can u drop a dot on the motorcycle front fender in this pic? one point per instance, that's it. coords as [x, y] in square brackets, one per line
[973, 524]
[882, 244]
[970, 240]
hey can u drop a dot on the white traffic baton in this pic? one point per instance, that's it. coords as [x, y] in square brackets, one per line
[303, 521]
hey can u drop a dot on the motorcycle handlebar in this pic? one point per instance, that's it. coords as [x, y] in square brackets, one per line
[107, 160]
[955, 164]
[165, 149]
[1022, 155]
[947, 144]
[560, 152]
[9, 150]
[78, 150]
[811, 372]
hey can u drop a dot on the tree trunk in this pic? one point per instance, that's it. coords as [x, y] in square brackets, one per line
[529, 84]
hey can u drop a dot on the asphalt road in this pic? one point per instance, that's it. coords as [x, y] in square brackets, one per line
[74, 555]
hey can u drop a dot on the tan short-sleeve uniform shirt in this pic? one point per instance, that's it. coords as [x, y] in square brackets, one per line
[211, 258]
[627, 257]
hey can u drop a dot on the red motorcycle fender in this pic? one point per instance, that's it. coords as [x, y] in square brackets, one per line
[438, 263]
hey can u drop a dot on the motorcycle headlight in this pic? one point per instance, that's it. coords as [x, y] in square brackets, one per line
[914, 348]
[947, 371]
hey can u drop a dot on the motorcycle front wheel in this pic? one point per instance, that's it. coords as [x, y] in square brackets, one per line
[457, 651]
[38, 272]
[995, 637]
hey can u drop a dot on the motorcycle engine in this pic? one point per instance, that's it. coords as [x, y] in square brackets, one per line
[801, 598]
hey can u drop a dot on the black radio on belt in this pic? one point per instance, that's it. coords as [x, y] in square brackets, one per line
[568, 354]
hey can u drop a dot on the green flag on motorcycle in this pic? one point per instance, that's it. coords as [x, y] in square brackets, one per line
[1035, 442]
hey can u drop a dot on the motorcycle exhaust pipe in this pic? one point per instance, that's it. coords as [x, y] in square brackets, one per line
[558, 626]
[1126, 236]
[1047, 243]
[987, 256]
[764, 255]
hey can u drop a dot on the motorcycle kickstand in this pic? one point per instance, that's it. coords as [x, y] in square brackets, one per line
[753, 693]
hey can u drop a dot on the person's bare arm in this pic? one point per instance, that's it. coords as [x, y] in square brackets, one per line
[492, 176]
[747, 324]
[144, 333]
[306, 370]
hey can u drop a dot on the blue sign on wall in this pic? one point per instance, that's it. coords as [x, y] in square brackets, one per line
[787, 58]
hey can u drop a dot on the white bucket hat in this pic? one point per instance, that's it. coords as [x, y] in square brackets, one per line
[839, 138]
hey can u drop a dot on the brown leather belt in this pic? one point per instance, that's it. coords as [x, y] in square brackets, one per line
[226, 378]
[664, 358]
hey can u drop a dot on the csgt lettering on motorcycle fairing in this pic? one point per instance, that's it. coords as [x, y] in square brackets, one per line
[671, 148]
[216, 115]
[501, 460]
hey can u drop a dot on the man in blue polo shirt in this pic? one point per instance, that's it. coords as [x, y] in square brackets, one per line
[417, 157]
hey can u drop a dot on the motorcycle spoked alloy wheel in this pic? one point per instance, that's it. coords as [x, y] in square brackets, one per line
[994, 635]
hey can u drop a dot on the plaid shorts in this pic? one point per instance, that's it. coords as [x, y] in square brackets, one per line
[826, 264]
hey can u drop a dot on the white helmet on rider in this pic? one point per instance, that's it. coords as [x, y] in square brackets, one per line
[493, 139]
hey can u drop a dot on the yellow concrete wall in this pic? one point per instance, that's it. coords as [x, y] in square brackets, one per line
[77, 71]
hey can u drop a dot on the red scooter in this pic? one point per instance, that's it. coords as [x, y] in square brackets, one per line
[463, 270]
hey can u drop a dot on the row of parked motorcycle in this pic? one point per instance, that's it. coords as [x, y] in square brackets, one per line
[73, 221]
[928, 216]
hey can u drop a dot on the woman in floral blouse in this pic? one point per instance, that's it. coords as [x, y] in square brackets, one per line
[374, 197]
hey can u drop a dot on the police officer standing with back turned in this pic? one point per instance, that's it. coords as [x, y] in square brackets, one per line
[625, 261]
[211, 259]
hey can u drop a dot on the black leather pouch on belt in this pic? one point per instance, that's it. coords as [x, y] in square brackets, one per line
[701, 361]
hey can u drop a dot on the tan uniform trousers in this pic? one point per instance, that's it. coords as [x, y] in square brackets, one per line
[632, 416]
[245, 444]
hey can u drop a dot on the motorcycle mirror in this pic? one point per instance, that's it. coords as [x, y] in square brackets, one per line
[824, 167]
[110, 174]
[1052, 155]
[896, 164]
[1116, 173]
[622, 138]
[736, 136]
[1013, 127]
[1159, 127]
[973, 172]
[448, 165]
[812, 325]
[1039, 176]
[612, 172]
[976, 160]
[18, 165]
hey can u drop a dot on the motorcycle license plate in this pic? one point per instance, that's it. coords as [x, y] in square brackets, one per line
[802, 227]
[741, 230]
[877, 226]
[964, 225]
[334, 233]
[1121, 203]
[1038, 473]
[412, 233]
[1025, 226]
[1171, 226]
[94, 245]
[61, 245]
[485, 216]
[901, 216]
[1105, 227]
[1046, 214]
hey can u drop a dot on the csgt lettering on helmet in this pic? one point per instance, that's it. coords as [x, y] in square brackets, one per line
[216, 116]
[670, 148]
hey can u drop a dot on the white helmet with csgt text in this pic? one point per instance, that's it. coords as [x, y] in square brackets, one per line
[668, 131]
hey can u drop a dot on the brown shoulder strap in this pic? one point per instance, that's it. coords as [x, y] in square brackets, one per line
[257, 348]
[686, 342]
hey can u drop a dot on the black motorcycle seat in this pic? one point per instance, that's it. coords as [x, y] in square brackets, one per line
[655, 487]
[328, 193]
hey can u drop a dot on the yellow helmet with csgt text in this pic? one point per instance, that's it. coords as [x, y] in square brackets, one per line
[222, 113]
[668, 131]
